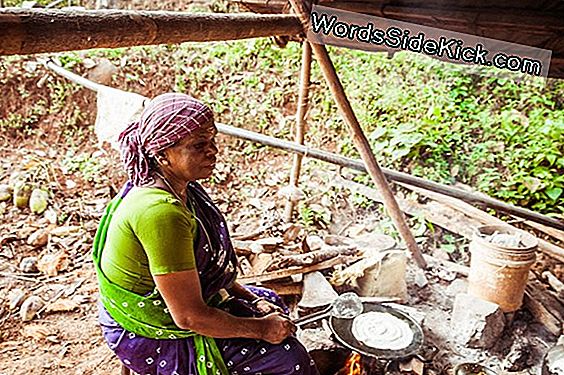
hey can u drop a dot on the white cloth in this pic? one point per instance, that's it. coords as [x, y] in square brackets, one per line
[116, 109]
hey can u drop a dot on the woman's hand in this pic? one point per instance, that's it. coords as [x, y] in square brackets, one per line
[266, 307]
[276, 328]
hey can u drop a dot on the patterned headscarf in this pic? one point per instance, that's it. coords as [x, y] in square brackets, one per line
[166, 120]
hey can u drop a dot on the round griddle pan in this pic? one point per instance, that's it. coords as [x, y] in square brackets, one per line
[342, 329]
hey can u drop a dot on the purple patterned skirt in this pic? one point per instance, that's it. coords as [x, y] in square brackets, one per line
[148, 356]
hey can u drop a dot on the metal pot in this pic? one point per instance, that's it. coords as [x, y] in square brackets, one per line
[342, 330]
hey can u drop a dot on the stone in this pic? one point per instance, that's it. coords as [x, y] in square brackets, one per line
[28, 265]
[16, 298]
[476, 323]
[30, 307]
[38, 201]
[5, 193]
[103, 71]
[317, 291]
[420, 278]
[456, 287]
[21, 196]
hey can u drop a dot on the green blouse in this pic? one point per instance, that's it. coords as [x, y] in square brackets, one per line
[150, 234]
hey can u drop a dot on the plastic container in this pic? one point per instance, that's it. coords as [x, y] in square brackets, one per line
[498, 273]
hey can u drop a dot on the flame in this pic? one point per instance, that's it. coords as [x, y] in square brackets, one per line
[352, 365]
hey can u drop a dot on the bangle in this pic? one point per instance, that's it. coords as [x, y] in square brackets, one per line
[257, 300]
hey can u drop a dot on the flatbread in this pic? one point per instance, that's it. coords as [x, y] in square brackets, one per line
[382, 331]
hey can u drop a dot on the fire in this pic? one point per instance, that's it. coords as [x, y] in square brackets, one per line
[352, 365]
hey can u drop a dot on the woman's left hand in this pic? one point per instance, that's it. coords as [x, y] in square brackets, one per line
[266, 307]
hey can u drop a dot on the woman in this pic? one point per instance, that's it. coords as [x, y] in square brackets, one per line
[166, 267]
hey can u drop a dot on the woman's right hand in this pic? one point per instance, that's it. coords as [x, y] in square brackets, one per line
[276, 328]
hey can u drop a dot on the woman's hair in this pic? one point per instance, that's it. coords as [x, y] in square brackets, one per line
[166, 120]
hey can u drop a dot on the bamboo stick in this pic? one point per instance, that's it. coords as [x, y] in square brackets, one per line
[303, 101]
[360, 140]
[27, 31]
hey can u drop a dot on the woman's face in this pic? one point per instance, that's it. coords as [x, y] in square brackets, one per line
[193, 158]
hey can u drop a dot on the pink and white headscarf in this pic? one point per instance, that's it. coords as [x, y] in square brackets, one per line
[166, 120]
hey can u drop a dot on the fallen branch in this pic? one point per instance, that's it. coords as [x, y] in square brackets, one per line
[280, 274]
[23, 278]
[249, 236]
[554, 233]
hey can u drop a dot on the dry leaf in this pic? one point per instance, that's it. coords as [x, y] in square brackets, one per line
[292, 232]
[64, 231]
[315, 242]
[37, 331]
[52, 264]
[245, 266]
[62, 305]
[28, 265]
[39, 237]
[16, 297]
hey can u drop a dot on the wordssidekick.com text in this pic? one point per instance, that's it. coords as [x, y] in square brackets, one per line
[394, 37]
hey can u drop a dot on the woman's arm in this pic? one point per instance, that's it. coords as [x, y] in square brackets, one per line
[262, 305]
[182, 294]
[239, 291]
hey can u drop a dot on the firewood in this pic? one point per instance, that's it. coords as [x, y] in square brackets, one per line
[281, 274]
[312, 257]
[546, 247]
[555, 307]
[542, 315]
[261, 262]
[556, 284]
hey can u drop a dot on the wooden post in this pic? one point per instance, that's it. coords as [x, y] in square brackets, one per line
[303, 101]
[27, 31]
[359, 139]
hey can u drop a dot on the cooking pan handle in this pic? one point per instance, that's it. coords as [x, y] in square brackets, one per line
[313, 317]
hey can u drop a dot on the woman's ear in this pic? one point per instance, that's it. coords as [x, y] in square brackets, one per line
[161, 158]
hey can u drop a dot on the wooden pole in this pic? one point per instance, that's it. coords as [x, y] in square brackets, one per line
[360, 140]
[27, 31]
[303, 101]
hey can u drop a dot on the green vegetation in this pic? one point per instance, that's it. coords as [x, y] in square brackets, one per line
[421, 116]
